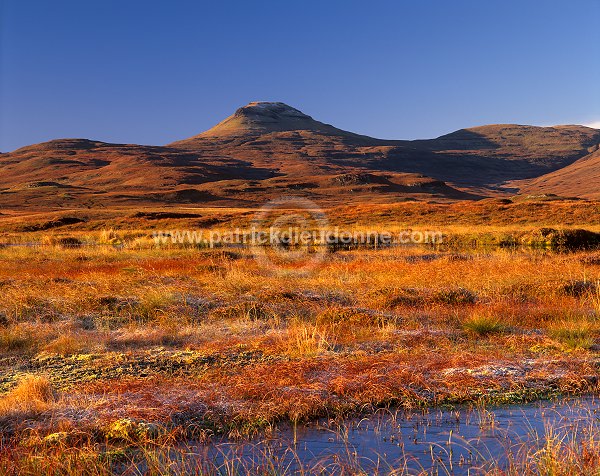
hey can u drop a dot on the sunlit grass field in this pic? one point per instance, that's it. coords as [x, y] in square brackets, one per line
[129, 344]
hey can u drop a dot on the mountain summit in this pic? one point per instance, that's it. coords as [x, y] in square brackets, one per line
[260, 117]
[265, 149]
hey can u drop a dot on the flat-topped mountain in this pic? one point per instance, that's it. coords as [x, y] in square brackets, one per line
[480, 158]
[259, 118]
[267, 149]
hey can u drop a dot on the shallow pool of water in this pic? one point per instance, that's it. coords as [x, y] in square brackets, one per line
[464, 441]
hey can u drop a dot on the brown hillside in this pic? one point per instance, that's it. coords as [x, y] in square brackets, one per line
[476, 159]
[581, 179]
[266, 150]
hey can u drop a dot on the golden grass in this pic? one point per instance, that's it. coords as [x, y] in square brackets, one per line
[32, 394]
[17, 338]
[307, 340]
[67, 344]
[142, 332]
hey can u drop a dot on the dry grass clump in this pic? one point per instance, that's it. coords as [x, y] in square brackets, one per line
[247, 310]
[150, 305]
[390, 298]
[332, 326]
[578, 288]
[520, 292]
[153, 304]
[67, 344]
[33, 394]
[455, 296]
[110, 237]
[337, 316]
[303, 339]
[17, 339]
[61, 241]
[27, 303]
[168, 334]
[592, 259]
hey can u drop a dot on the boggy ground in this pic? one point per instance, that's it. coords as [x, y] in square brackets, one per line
[159, 332]
[117, 343]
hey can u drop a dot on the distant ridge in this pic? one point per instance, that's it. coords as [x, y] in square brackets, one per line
[266, 149]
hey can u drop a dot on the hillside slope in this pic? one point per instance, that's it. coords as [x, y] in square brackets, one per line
[276, 135]
[266, 150]
[581, 179]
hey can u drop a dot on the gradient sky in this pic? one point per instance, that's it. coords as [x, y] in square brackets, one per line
[151, 72]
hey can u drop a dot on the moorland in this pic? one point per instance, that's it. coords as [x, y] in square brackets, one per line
[118, 350]
[116, 347]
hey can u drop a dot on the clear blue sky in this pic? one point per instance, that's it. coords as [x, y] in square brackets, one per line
[151, 72]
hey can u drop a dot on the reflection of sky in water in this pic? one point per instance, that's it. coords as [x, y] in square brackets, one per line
[420, 441]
